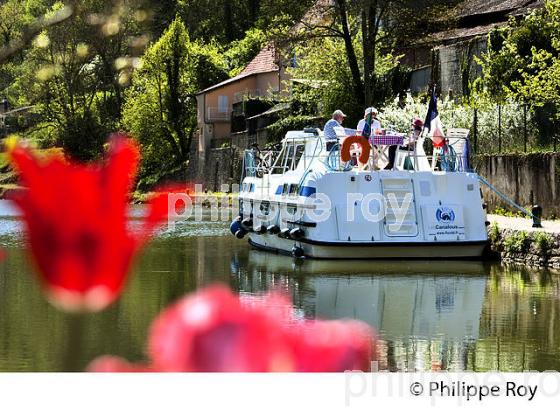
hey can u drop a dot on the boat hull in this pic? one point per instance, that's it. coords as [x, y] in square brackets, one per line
[378, 250]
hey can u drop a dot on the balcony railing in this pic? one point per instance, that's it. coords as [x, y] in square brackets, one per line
[215, 114]
[246, 94]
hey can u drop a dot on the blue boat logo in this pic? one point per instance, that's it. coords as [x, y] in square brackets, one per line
[445, 215]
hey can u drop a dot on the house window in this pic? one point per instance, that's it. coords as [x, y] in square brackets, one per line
[223, 103]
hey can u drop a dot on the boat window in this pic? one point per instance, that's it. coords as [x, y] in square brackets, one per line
[280, 161]
[293, 190]
[285, 189]
[300, 149]
[289, 157]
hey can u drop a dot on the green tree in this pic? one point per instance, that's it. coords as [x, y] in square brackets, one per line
[161, 105]
[228, 20]
[523, 64]
[330, 81]
[241, 52]
[348, 50]
[74, 74]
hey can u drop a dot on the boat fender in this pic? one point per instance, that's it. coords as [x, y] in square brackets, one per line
[247, 223]
[297, 233]
[259, 230]
[284, 233]
[235, 226]
[240, 234]
[297, 252]
[273, 229]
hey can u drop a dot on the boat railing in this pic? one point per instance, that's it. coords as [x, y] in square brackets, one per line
[445, 158]
[256, 163]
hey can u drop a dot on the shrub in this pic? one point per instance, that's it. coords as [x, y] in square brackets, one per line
[544, 242]
[494, 234]
[517, 242]
[398, 115]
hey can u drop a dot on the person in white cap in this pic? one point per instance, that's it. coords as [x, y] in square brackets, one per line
[367, 126]
[336, 121]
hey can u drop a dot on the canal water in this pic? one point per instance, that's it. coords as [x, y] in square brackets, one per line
[429, 315]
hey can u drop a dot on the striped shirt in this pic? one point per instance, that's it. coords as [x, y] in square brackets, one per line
[329, 131]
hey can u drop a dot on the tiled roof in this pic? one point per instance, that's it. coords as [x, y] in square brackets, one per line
[535, 4]
[264, 62]
[463, 33]
[480, 7]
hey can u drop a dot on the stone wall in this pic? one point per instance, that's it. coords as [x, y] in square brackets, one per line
[528, 179]
[215, 167]
[538, 249]
[456, 65]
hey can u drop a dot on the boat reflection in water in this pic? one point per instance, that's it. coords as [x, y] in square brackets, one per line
[427, 317]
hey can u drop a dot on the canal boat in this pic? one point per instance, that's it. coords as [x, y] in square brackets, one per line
[316, 198]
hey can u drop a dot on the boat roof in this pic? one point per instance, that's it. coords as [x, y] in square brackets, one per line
[311, 133]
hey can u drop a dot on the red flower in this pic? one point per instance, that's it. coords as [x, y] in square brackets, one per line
[213, 330]
[76, 220]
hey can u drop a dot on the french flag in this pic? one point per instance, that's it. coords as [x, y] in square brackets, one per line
[433, 123]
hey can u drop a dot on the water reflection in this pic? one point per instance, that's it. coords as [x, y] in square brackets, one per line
[444, 315]
[430, 315]
[418, 308]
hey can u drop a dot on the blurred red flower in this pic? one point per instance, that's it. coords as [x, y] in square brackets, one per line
[216, 331]
[77, 224]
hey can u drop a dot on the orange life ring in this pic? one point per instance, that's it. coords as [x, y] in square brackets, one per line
[362, 142]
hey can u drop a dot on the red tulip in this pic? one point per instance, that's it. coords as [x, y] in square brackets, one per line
[213, 330]
[77, 226]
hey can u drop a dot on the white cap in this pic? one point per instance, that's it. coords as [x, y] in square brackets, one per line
[339, 113]
[371, 110]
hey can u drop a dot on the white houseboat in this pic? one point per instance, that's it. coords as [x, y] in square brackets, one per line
[320, 199]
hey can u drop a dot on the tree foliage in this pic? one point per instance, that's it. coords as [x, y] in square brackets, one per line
[523, 64]
[74, 74]
[161, 104]
[350, 58]
[229, 20]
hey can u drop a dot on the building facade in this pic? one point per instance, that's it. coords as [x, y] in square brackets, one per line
[264, 76]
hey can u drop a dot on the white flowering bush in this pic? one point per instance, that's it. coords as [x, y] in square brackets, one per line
[453, 115]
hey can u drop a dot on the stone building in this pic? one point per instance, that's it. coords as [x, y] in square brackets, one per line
[447, 57]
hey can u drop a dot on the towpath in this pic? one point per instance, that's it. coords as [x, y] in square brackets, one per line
[522, 224]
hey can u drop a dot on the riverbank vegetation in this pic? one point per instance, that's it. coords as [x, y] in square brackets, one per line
[529, 248]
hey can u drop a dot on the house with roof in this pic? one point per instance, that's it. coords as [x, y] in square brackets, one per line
[447, 57]
[264, 76]
[222, 109]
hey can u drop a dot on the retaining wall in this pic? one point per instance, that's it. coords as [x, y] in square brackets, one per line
[528, 179]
